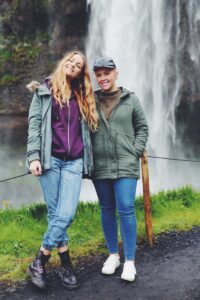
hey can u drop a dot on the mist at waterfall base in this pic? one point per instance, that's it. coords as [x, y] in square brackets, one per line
[155, 45]
[26, 190]
[23, 190]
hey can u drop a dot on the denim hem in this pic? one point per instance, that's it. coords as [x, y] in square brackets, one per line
[63, 244]
[113, 252]
[129, 258]
[48, 247]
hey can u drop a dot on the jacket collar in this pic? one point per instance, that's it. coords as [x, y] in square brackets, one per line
[43, 90]
[124, 93]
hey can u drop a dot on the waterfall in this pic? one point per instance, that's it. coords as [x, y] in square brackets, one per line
[149, 41]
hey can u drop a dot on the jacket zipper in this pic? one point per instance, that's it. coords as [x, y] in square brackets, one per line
[115, 108]
[111, 116]
[107, 125]
[103, 117]
[68, 125]
[44, 131]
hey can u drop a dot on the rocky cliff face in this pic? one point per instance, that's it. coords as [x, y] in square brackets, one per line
[188, 111]
[34, 34]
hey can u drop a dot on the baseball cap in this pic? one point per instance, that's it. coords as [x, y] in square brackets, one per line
[104, 62]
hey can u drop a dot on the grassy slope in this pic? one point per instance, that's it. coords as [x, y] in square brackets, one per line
[21, 230]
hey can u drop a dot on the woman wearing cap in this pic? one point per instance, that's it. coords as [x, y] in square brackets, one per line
[117, 146]
[61, 115]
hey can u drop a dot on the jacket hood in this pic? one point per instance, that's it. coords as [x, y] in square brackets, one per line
[41, 89]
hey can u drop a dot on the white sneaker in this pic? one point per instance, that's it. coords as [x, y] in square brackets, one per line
[129, 271]
[111, 264]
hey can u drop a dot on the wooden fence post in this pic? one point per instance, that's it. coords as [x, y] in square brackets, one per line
[147, 202]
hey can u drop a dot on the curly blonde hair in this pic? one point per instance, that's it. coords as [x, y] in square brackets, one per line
[81, 87]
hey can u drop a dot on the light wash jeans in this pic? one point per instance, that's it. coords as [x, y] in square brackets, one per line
[120, 194]
[61, 187]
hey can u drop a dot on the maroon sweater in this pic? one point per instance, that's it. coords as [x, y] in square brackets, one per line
[67, 140]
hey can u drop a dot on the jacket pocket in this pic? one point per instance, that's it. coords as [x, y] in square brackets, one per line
[124, 145]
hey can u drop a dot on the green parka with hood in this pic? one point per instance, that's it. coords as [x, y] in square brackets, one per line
[120, 141]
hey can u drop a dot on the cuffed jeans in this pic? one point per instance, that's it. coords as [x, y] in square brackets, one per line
[120, 194]
[61, 187]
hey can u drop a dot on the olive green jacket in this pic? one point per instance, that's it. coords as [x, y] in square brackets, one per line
[40, 131]
[119, 142]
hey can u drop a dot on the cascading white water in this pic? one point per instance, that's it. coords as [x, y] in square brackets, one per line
[145, 40]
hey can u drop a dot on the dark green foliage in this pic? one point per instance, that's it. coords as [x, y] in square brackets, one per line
[183, 197]
[92, 207]
[8, 79]
[38, 211]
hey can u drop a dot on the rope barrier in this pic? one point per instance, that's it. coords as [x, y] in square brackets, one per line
[150, 156]
[177, 159]
[3, 180]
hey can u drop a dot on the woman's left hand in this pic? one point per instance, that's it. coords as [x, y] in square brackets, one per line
[35, 168]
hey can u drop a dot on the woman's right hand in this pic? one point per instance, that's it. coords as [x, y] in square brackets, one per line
[35, 168]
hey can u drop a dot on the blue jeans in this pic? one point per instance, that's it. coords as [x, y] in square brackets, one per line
[120, 194]
[61, 187]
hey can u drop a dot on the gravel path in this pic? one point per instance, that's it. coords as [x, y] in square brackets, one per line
[169, 270]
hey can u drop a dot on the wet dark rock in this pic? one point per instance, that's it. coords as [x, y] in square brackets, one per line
[34, 35]
[11, 290]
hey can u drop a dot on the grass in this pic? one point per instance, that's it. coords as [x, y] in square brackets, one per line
[22, 229]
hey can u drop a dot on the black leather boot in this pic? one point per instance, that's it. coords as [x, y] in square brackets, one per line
[36, 270]
[66, 273]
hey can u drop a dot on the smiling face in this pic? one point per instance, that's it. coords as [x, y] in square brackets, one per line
[74, 66]
[106, 79]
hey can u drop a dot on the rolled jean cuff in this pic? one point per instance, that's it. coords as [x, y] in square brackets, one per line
[47, 247]
[51, 247]
[61, 244]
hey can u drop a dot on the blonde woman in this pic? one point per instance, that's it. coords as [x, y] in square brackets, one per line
[61, 116]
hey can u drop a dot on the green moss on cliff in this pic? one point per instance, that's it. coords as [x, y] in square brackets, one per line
[8, 79]
[23, 34]
[14, 55]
